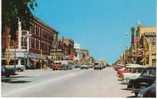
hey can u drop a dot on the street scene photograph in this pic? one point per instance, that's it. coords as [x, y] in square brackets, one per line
[78, 48]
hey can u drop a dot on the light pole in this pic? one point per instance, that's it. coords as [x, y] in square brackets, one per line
[41, 64]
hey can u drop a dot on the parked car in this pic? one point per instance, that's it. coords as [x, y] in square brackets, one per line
[84, 66]
[30, 66]
[66, 67]
[76, 66]
[90, 66]
[56, 65]
[146, 79]
[120, 72]
[20, 68]
[96, 67]
[118, 66]
[7, 70]
[99, 66]
[148, 92]
[133, 72]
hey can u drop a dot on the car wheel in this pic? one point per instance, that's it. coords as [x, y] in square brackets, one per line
[7, 75]
[136, 94]
[21, 70]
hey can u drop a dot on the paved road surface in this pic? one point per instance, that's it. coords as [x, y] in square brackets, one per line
[73, 83]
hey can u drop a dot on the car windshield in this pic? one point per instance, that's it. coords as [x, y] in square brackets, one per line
[150, 72]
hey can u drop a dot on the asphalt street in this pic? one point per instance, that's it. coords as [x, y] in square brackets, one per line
[71, 83]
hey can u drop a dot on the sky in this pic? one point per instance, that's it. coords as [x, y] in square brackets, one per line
[101, 26]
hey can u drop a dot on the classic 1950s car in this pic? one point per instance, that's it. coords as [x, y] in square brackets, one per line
[133, 72]
[148, 92]
[147, 78]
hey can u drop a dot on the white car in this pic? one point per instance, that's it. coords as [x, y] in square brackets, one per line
[128, 76]
[84, 66]
[20, 68]
[135, 71]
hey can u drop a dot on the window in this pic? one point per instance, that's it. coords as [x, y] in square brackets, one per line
[154, 62]
[3, 62]
[23, 42]
[150, 72]
[34, 42]
[34, 29]
[30, 45]
[39, 44]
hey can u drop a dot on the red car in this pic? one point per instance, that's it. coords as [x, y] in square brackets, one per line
[56, 65]
[120, 73]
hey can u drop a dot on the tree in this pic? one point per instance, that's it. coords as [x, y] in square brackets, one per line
[11, 9]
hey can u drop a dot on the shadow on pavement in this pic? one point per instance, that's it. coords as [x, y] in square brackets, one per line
[125, 89]
[19, 81]
[121, 82]
[20, 77]
[131, 97]
[14, 80]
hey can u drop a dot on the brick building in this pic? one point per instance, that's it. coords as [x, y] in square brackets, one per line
[64, 51]
[31, 45]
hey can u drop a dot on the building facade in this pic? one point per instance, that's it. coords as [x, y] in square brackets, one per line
[64, 50]
[148, 45]
[30, 46]
[143, 47]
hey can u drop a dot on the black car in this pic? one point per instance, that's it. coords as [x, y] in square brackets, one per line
[148, 92]
[146, 79]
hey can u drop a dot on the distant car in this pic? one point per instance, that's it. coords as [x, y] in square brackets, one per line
[118, 66]
[98, 66]
[31, 66]
[77, 66]
[66, 67]
[90, 66]
[56, 65]
[84, 67]
[20, 68]
[147, 78]
[148, 92]
[120, 73]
